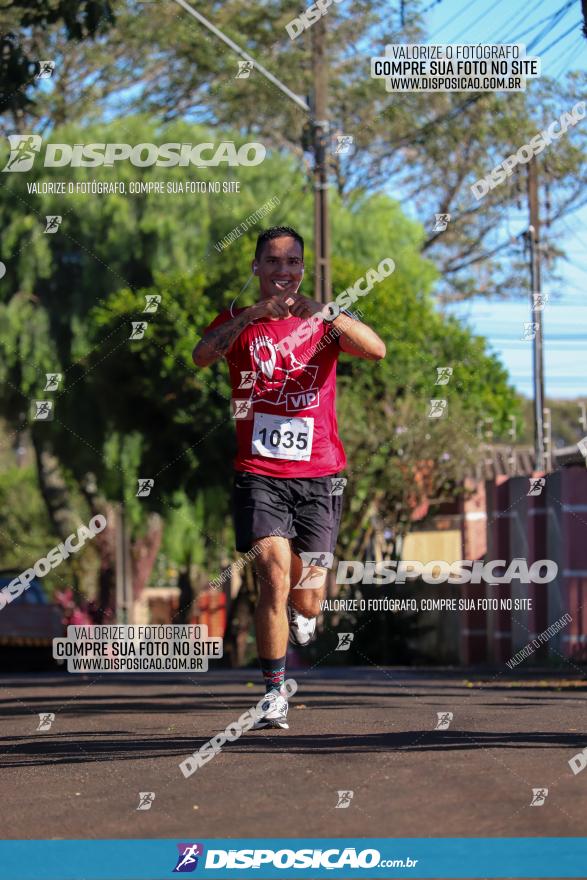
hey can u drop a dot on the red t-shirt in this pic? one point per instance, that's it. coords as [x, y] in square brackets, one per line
[284, 406]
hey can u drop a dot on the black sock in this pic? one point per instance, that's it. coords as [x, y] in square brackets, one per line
[273, 673]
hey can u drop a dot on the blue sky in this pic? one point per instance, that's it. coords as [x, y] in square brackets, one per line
[565, 317]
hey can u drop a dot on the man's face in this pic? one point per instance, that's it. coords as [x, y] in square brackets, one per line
[280, 267]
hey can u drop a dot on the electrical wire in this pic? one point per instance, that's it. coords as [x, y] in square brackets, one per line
[572, 50]
[454, 17]
[525, 14]
[562, 36]
[241, 291]
[538, 23]
[422, 12]
[472, 24]
[555, 18]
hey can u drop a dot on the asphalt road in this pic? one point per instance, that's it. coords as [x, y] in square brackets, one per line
[369, 731]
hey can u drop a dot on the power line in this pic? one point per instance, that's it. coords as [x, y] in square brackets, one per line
[524, 15]
[562, 36]
[538, 23]
[566, 64]
[554, 20]
[472, 24]
[534, 26]
[454, 17]
[422, 12]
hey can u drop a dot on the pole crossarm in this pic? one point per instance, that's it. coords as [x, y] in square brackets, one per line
[236, 48]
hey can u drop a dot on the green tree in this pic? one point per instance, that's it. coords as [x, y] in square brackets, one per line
[132, 409]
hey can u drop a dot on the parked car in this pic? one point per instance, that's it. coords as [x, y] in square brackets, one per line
[28, 626]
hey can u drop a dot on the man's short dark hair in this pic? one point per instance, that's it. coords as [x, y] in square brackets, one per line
[277, 232]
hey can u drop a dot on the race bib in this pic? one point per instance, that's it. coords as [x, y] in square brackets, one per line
[280, 437]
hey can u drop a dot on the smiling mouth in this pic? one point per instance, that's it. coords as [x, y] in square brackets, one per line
[282, 285]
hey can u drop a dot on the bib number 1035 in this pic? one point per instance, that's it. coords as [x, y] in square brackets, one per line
[276, 437]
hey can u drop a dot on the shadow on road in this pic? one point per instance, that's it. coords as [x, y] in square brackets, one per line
[79, 747]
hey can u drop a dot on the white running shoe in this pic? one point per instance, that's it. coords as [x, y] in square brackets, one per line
[301, 629]
[274, 708]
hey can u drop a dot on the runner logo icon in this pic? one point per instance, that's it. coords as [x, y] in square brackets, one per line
[23, 149]
[187, 860]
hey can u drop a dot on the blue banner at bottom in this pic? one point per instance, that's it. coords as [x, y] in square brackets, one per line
[286, 858]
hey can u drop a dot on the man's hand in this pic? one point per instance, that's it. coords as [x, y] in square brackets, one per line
[302, 307]
[273, 307]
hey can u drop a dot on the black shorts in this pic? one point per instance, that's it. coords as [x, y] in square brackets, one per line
[304, 510]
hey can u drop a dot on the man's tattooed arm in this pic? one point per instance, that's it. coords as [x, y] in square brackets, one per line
[216, 343]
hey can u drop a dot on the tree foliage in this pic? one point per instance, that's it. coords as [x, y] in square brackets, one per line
[135, 409]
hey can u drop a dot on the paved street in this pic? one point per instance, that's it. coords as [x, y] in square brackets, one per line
[370, 731]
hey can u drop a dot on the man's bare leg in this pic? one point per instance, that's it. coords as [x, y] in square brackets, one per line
[306, 600]
[271, 627]
[272, 566]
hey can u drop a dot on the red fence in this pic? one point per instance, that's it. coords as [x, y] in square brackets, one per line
[501, 521]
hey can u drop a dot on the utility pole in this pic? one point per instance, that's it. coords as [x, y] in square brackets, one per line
[124, 594]
[536, 306]
[321, 136]
[547, 439]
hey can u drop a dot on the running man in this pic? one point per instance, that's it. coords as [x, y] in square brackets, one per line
[289, 451]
